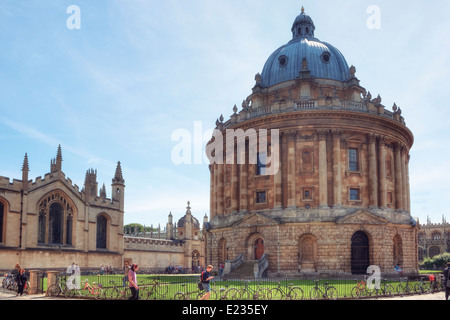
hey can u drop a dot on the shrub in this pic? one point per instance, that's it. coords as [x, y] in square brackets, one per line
[440, 261]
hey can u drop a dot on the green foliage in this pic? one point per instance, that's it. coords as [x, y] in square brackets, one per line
[140, 227]
[440, 261]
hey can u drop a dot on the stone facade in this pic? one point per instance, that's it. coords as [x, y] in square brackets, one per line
[433, 239]
[334, 196]
[50, 223]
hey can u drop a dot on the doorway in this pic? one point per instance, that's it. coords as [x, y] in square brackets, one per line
[360, 253]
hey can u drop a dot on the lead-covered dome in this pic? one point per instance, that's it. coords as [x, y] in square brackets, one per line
[303, 52]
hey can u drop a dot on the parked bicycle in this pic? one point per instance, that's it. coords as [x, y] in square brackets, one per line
[404, 287]
[421, 287]
[116, 292]
[324, 291]
[290, 292]
[361, 289]
[155, 289]
[58, 288]
[193, 294]
[248, 293]
[385, 289]
[95, 290]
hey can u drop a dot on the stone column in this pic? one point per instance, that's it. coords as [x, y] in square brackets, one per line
[404, 153]
[51, 278]
[398, 177]
[34, 285]
[234, 184]
[373, 189]
[277, 184]
[291, 203]
[219, 195]
[337, 170]
[323, 192]
[212, 205]
[382, 174]
[408, 196]
[243, 174]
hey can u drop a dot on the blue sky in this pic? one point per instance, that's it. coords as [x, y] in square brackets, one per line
[136, 71]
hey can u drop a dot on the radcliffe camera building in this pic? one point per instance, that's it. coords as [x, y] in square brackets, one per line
[340, 198]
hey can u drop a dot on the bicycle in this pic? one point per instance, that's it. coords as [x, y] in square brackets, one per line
[57, 289]
[248, 293]
[116, 292]
[361, 289]
[404, 289]
[95, 290]
[385, 289]
[421, 287]
[186, 295]
[289, 293]
[156, 288]
[325, 291]
[227, 293]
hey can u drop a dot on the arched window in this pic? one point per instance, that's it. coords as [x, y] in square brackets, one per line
[55, 221]
[397, 250]
[102, 228]
[55, 231]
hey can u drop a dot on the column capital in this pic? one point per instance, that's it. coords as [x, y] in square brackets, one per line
[322, 133]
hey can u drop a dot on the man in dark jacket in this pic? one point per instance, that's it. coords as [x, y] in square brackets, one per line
[21, 281]
[446, 279]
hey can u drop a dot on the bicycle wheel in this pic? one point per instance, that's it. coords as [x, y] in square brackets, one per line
[276, 294]
[263, 294]
[69, 293]
[400, 290]
[162, 289]
[232, 294]
[314, 294]
[356, 292]
[389, 290]
[213, 295]
[332, 293]
[179, 296]
[111, 293]
[53, 290]
[296, 293]
[245, 294]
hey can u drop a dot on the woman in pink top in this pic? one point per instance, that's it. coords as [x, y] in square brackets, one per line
[132, 280]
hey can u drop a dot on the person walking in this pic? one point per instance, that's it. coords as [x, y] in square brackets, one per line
[132, 282]
[126, 271]
[21, 279]
[205, 277]
[447, 280]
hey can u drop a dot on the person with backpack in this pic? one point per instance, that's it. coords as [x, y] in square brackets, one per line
[205, 278]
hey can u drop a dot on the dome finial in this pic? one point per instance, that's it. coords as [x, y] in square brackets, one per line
[303, 9]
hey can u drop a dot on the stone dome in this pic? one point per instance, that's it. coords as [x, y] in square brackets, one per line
[304, 52]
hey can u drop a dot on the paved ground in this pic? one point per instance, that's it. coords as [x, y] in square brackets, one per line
[10, 295]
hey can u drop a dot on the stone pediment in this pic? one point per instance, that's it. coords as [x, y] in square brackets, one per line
[254, 220]
[362, 217]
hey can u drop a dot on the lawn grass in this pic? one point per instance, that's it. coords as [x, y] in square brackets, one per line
[188, 284]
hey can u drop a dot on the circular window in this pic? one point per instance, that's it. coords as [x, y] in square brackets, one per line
[283, 60]
[326, 56]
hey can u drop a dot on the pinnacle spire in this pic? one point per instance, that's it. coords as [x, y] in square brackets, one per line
[25, 166]
[118, 177]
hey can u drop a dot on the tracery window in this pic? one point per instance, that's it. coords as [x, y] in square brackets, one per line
[102, 228]
[55, 222]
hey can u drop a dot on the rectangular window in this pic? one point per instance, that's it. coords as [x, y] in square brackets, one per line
[353, 164]
[261, 197]
[354, 194]
[261, 167]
